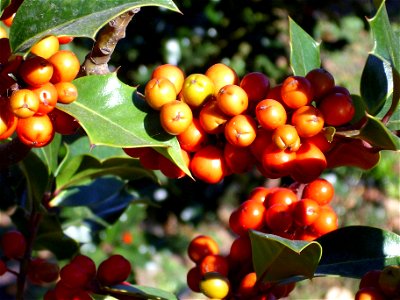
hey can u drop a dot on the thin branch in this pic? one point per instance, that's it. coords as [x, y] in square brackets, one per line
[96, 61]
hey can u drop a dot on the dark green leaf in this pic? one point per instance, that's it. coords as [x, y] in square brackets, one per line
[80, 169]
[82, 146]
[38, 179]
[38, 18]
[378, 135]
[106, 197]
[386, 42]
[376, 83]
[360, 108]
[140, 292]
[352, 251]
[276, 258]
[113, 114]
[49, 154]
[304, 50]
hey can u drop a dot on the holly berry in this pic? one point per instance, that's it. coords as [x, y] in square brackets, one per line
[113, 270]
[13, 244]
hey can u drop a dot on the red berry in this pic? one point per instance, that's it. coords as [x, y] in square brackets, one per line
[114, 270]
[86, 263]
[3, 267]
[13, 244]
[74, 276]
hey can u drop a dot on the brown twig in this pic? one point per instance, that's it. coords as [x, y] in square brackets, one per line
[96, 61]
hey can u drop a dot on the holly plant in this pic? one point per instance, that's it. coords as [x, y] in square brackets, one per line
[75, 138]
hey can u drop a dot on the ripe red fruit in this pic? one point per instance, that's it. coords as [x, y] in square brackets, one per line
[256, 85]
[305, 212]
[86, 263]
[337, 109]
[13, 244]
[249, 215]
[320, 190]
[208, 164]
[240, 250]
[3, 267]
[114, 270]
[193, 279]
[214, 263]
[201, 246]
[74, 276]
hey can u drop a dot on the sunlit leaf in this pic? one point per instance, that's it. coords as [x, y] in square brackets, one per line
[304, 50]
[276, 258]
[114, 115]
[36, 19]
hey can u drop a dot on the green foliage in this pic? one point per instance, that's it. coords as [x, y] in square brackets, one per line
[276, 258]
[352, 251]
[90, 178]
[83, 19]
[111, 107]
[304, 51]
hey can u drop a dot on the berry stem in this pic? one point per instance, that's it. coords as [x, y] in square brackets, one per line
[96, 61]
[33, 223]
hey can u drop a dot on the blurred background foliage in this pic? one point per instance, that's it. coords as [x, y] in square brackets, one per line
[154, 231]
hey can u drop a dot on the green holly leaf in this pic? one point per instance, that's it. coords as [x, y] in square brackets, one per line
[386, 47]
[139, 292]
[49, 154]
[3, 5]
[376, 84]
[304, 50]
[38, 179]
[113, 114]
[354, 250]
[386, 42]
[36, 19]
[378, 135]
[276, 258]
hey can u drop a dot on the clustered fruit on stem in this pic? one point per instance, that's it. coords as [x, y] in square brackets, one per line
[297, 212]
[227, 125]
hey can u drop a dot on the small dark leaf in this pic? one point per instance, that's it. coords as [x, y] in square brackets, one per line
[376, 83]
[352, 251]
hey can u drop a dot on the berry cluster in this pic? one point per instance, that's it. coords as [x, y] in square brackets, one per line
[13, 246]
[79, 278]
[380, 284]
[30, 89]
[225, 125]
[282, 212]
[300, 212]
[229, 276]
[76, 280]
